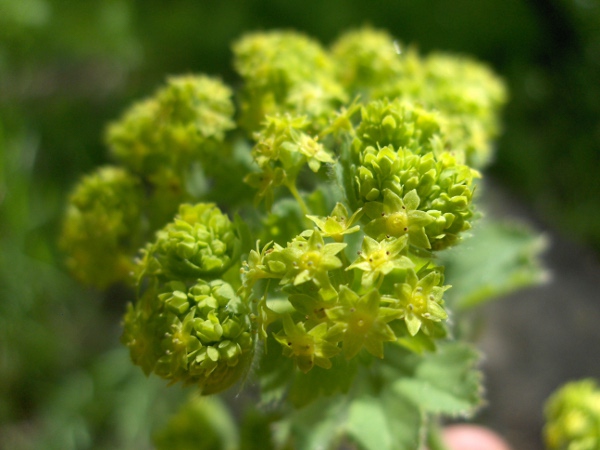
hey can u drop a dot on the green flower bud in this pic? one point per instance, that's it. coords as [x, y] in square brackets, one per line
[183, 122]
[573, 417]
[201, 241]
[198, 335]
[201, 423]
[284, 72]
[103, 226]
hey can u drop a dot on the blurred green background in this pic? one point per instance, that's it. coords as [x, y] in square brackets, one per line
[67, 67]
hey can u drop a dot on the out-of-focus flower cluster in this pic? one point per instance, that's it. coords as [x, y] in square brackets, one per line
[573, 417]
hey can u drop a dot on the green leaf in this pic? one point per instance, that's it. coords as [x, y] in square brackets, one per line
[318, 426]
[444, 382]
[201, 423]
[319, 382]
[498, 259]
[367, 424]
[389, 422]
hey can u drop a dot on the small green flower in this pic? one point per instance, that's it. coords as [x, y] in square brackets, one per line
[257, 267]
[396, 217]
[364, 320]
[420, 300]
[377, 259]
[312, 259]
[200, 241]
[573, 417]
[338, 223]
[314, 152]
[309, 348]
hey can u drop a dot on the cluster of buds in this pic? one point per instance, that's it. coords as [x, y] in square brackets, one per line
[285, 72]
[113, 211]
[103, 226]
[573, 417]
[184, 121]
[188, 324]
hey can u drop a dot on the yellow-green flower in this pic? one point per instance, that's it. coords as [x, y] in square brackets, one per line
[377, 259]
[309, 348]
[420, 300]
[364, 321]
[312, 259]
[338, 223]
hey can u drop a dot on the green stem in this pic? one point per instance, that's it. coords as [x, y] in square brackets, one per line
[294, 191]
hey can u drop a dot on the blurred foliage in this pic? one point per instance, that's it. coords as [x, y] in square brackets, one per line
[67, 68]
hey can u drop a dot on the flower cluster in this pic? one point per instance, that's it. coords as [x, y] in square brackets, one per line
[189, 325]
[371, 63]
[285, 72]
[185, 120]
[283, 148]
[365, 155]
[103, 225]
[340, 307]
[573, 417]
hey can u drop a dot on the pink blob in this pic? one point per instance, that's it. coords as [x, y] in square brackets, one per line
[473, 437]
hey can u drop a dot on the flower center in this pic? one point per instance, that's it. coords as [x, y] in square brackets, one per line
[418, 304]
[360, 323]
[397, 224]
[310, 260]
[378, 258]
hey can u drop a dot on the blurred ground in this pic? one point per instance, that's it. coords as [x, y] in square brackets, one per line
[539, 338]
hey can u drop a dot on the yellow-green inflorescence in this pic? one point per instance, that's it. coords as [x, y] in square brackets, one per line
[365, 155]
[188, 324]
[573, 417]
[103, 226]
